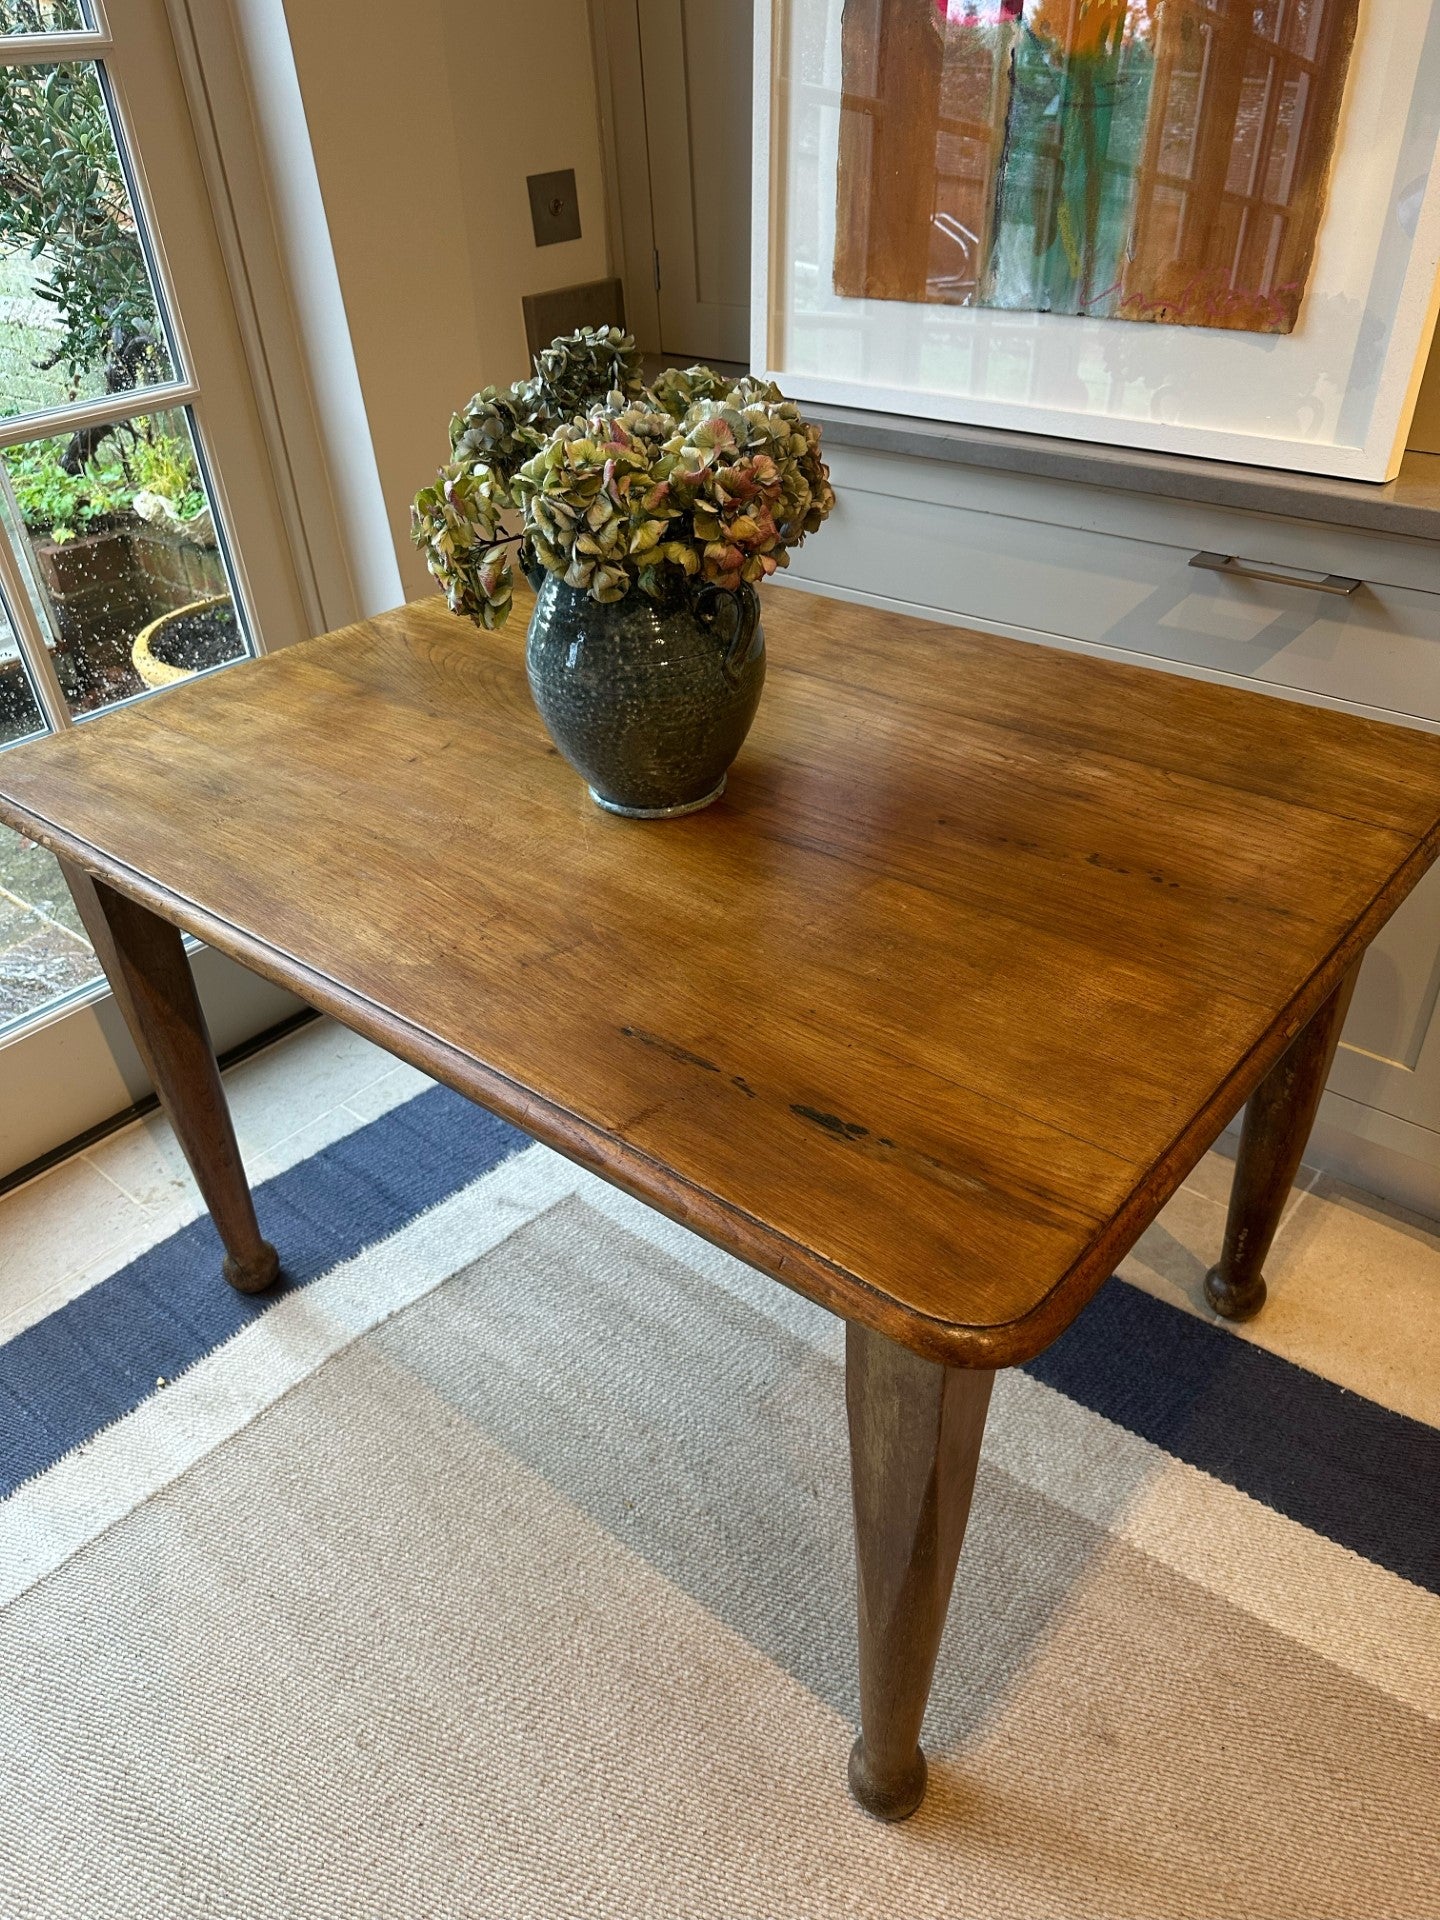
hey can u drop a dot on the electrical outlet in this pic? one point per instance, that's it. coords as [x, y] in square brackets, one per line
[554, 207]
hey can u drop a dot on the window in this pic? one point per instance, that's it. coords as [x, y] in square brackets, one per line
[116, 568]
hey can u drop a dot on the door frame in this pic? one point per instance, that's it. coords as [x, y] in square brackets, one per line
[248, 118]
[690, 87]
[620, 87]
[625, 154]
[241, 253]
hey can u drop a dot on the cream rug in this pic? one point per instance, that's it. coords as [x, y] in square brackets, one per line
[504, 1569]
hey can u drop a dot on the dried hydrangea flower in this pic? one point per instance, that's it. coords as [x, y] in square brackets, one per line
[618, 485]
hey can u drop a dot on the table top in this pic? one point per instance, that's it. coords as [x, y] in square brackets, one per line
[928, 1017]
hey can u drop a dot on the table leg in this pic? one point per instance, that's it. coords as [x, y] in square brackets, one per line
[145, 962]
[1278, 1119]
[915, 1429]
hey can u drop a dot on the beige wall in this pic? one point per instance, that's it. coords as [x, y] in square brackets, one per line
[1425, 427]
[425, 120]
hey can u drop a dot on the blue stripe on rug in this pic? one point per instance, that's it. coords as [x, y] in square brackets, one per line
[96, 1358]
[1331, 1459]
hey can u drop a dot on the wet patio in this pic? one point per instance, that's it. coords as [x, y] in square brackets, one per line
[43, 950]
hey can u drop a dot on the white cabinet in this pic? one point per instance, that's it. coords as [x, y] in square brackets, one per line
[1109, 572]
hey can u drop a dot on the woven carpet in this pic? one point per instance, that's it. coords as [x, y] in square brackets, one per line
[501, 1566]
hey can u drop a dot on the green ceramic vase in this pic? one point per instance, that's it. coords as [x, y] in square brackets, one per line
[649, 700]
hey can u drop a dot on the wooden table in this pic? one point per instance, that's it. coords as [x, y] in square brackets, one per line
[928, 1018]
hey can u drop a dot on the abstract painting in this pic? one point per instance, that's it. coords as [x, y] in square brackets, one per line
[1144, 160]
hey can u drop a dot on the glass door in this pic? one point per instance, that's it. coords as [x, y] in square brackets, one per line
[141, 540]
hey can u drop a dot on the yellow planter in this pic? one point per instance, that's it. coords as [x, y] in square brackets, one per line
[152, 668]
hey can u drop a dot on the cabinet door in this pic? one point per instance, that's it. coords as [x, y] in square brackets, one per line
[1390, 1055]
[1379, 1124]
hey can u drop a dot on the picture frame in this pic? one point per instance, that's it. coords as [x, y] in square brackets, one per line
[1334, 395]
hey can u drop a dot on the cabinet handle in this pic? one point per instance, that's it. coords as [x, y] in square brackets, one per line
[1242, 570]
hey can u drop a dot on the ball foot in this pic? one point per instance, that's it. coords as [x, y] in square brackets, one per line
[894, 1799]
[254, 1275]
[1236, 1303]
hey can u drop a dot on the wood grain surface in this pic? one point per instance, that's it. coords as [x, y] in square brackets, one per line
[928, 1017]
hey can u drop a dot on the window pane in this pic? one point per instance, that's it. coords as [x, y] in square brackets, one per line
[125, 557]
[78, 310]
[44, 954]
[20, 713]
[44, 16]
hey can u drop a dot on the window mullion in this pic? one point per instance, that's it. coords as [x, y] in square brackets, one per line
[25, 625]
[40, 49]
[106, 410]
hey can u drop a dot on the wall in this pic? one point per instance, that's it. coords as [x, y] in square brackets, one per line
[425, 121]
[1425, 427]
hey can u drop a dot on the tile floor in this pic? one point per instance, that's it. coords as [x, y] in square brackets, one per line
[1354, 1282]
[70, 1227]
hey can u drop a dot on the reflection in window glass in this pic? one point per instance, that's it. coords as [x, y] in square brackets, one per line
[44, 16]
[78, 311]
[44, 954]
[124, 551]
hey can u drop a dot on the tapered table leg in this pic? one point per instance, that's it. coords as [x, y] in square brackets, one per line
[1278, 1119]
[915, 1430]
[145, 963]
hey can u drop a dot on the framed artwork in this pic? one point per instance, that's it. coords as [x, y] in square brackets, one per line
[1205, 226]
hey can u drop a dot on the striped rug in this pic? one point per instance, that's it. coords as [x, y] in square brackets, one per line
[501, 1566]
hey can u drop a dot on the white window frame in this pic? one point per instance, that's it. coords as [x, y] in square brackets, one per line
[310, 546]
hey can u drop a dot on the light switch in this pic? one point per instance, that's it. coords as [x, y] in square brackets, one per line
[554, 207]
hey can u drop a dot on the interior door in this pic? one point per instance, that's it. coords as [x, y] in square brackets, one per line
[696, 57]
[141, 538]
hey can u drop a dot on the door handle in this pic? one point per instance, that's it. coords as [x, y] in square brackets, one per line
[1340, 583]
